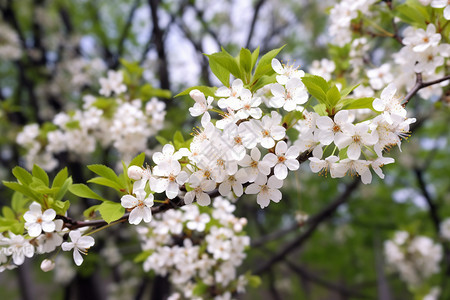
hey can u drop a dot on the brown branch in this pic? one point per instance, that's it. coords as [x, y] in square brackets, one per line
[326, 213]
[420, 85]
[343, 291]
[72, 224]
[257, 8]
[158, 39]
[125, 30]
[432, 206]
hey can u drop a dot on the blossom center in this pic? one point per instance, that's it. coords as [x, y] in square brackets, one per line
[336, 128]
[265, 133]
[356, 138]
[281, 159]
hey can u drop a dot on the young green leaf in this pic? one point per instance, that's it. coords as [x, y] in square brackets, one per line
[348, 90]
[106, 182]
[25, 190]
[333, 96]
[111, 211]
[83, 191]
[38, 172]
[60, 178]
[245, 63]
[226, 61]
[63, 189]
[208, 91]
[255, 56]
[137, 161]
[360, 103]
[22, 175]
[105, 172]
[264, 66]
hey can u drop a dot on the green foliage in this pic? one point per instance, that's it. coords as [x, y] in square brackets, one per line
[83, 191]
[107, 177]
[111, 211]
[208, 91]
[414, 13]
[330, 99]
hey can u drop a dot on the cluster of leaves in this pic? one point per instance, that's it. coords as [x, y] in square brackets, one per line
[34, 186]
[110, 211]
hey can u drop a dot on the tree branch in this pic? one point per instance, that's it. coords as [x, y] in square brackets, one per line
[157, 34]
[254, 19]
[420, 85]
[345, 292]
[314, 223]
[125, 30]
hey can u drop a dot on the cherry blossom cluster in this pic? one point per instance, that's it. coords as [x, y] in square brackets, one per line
[44, 235]
[415, 258]
[424, 50]
[10, 48]
[341, 16]
[126, 124]
[197, 246]
[367, 139]
[248, 151]
[439, 4]
[445, 229]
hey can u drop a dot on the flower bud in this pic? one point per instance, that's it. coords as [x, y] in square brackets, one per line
[47, 265]
[135, 172]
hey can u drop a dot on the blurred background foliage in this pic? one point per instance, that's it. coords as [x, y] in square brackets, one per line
[341, 258]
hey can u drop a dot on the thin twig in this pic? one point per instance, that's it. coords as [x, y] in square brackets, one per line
[254, 19]
[310, 276]
[420, 85]
[315, 222]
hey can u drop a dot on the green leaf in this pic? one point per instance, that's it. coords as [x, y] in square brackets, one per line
[137, 161]
[90, 211]
[61, 207]
[83, 191]
[22, 189]
[254, 281]
[147, 91]
[321, 109]
[18, 202]
[178, 140]
[245, 63]
[38, 172]
[143, 256]
[263, 81]
[105, 172]
[348, 90]
[162, 140]
[317, 80]
[333, 96]
[360, 103]
[208, 91]
[200, 288]
[22, 175]
[255, 56]
[315, 90]
[221, 73]
[132, 67]
[8, 213]
[111, 211]
[412, 13]
[106, 182]
[225, 61]
[60, 178]
[63, 189]
[264, 66]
